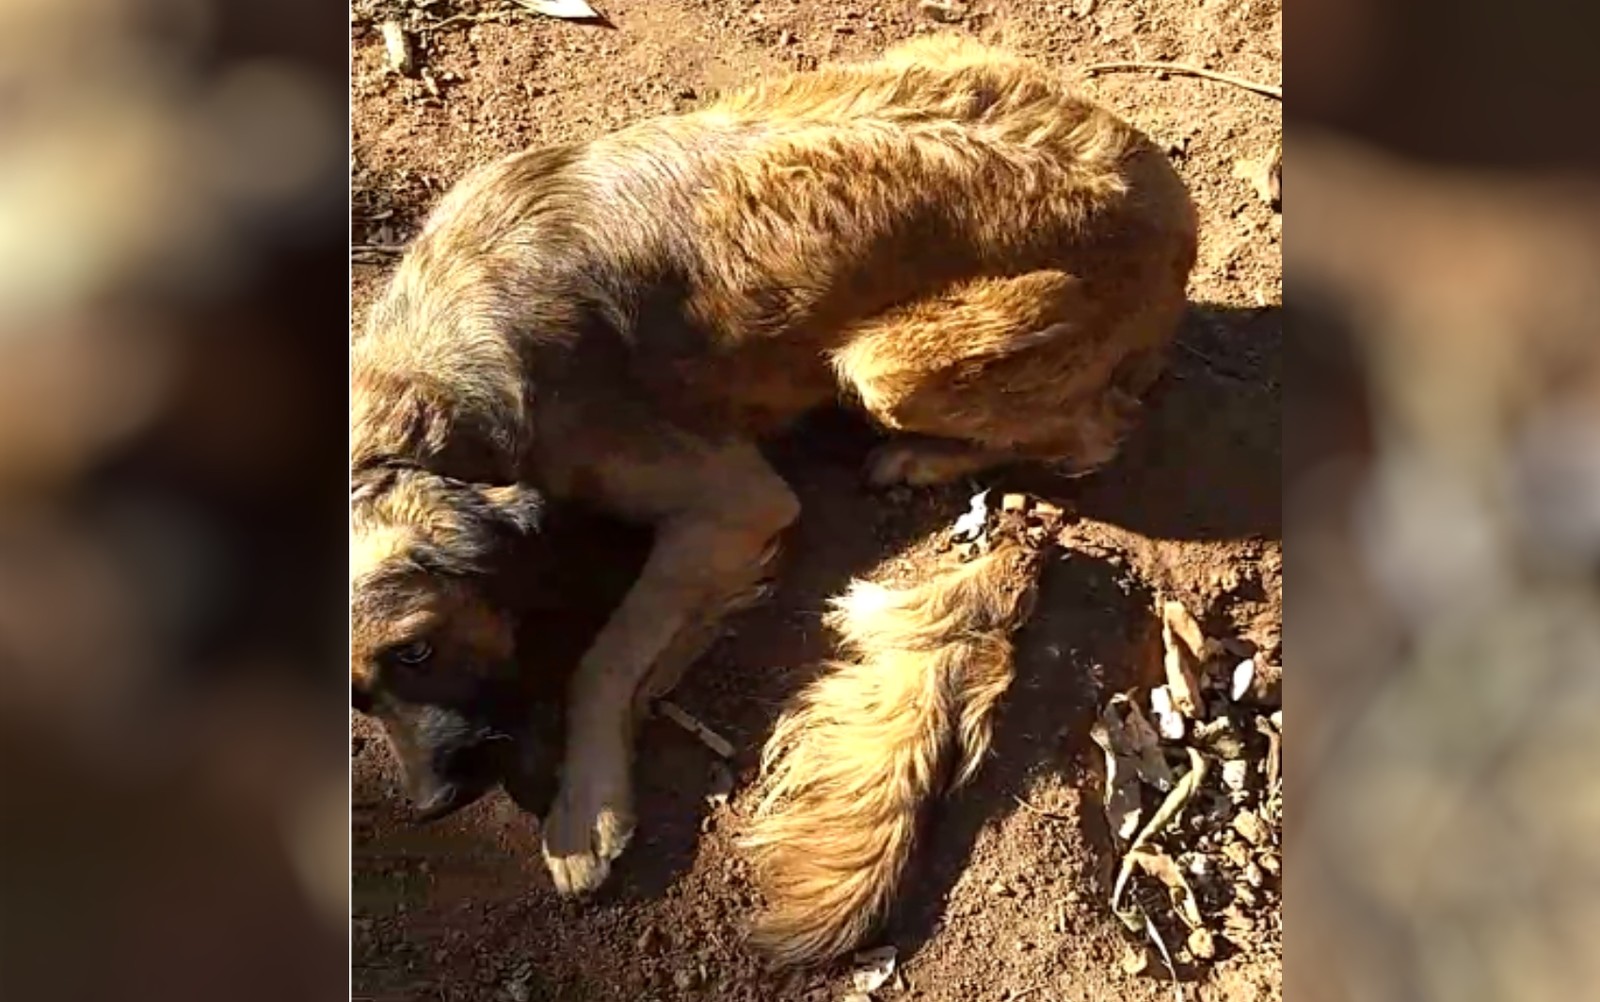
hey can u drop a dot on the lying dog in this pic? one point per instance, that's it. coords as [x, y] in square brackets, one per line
[946, 239]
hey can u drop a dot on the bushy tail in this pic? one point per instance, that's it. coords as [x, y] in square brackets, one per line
[905, 714]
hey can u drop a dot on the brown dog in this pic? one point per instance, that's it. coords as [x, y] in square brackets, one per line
[946, 238]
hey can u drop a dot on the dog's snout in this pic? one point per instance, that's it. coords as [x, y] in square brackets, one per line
[443, 759]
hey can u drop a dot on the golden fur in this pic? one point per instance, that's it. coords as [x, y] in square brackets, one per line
[947, 238]
[903, 715]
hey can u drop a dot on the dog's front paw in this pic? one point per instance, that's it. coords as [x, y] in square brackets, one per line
[587, 828]
[921, 463]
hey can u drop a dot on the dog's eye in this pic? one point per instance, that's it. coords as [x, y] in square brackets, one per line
[414, 653]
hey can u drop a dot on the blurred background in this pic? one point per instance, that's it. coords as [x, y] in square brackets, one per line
[173, 736]
[1442, 498]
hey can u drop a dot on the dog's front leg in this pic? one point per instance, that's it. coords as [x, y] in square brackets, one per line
[705, 556]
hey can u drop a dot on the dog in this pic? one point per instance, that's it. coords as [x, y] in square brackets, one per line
[945, 238]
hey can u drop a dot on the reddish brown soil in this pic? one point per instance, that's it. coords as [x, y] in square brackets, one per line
[1005, 903]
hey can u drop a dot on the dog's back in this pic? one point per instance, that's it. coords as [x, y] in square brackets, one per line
[712, 267]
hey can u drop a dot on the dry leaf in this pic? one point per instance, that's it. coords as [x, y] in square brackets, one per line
[1274, 751]
[1168, 720]
[1160, 866]
[1220, 737]
[1123, 805]
[1133, 737]
[567, 10]
[1248, 824]
[1168, 812]
[1185, 648]
[873, 969]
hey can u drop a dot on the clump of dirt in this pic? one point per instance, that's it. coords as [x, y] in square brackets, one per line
[1005, 902]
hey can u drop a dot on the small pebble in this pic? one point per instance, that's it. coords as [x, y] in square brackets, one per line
[1253, 876]
[1235, 773]
[944, 13]
[1250, 825]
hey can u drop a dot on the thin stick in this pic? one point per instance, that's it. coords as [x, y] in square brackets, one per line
[1155, 937]
[479, 18]
[1040, 810]
[708, 737]
[1184, 69]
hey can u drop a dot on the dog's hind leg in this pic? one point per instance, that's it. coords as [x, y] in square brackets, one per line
[999, 370]
[717, 510]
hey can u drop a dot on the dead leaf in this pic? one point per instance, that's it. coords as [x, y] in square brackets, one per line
[1185, 648]
[873, 969]
[1123, 803]
[1135, 960]
[1138, 740]
[1248, 824]
[567, 10]
[1201, 943]
[1168, 812]
[1160, 866]
[1274, 750]
[1168, 720]
[1220, 737]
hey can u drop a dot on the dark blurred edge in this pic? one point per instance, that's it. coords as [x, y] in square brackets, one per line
[1509, 90]
[182, 857]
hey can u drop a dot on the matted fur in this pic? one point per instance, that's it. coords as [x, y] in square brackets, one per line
[903, 715]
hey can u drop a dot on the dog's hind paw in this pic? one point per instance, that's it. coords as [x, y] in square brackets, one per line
[582, 838]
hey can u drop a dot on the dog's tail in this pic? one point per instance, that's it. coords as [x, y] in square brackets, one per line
[904, 715]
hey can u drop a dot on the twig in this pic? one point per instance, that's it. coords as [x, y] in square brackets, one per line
[1184, 69]
[391, 250]
[708, 737]
[478, 18]
[1155, 937]
[1213, 364]
[1039, 810]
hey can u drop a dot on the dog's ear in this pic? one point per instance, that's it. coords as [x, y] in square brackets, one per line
[521, 508]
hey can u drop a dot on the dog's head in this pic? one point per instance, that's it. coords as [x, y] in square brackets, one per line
[432, 644]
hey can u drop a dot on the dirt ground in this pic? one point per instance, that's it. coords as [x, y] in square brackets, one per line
[1005, 903]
